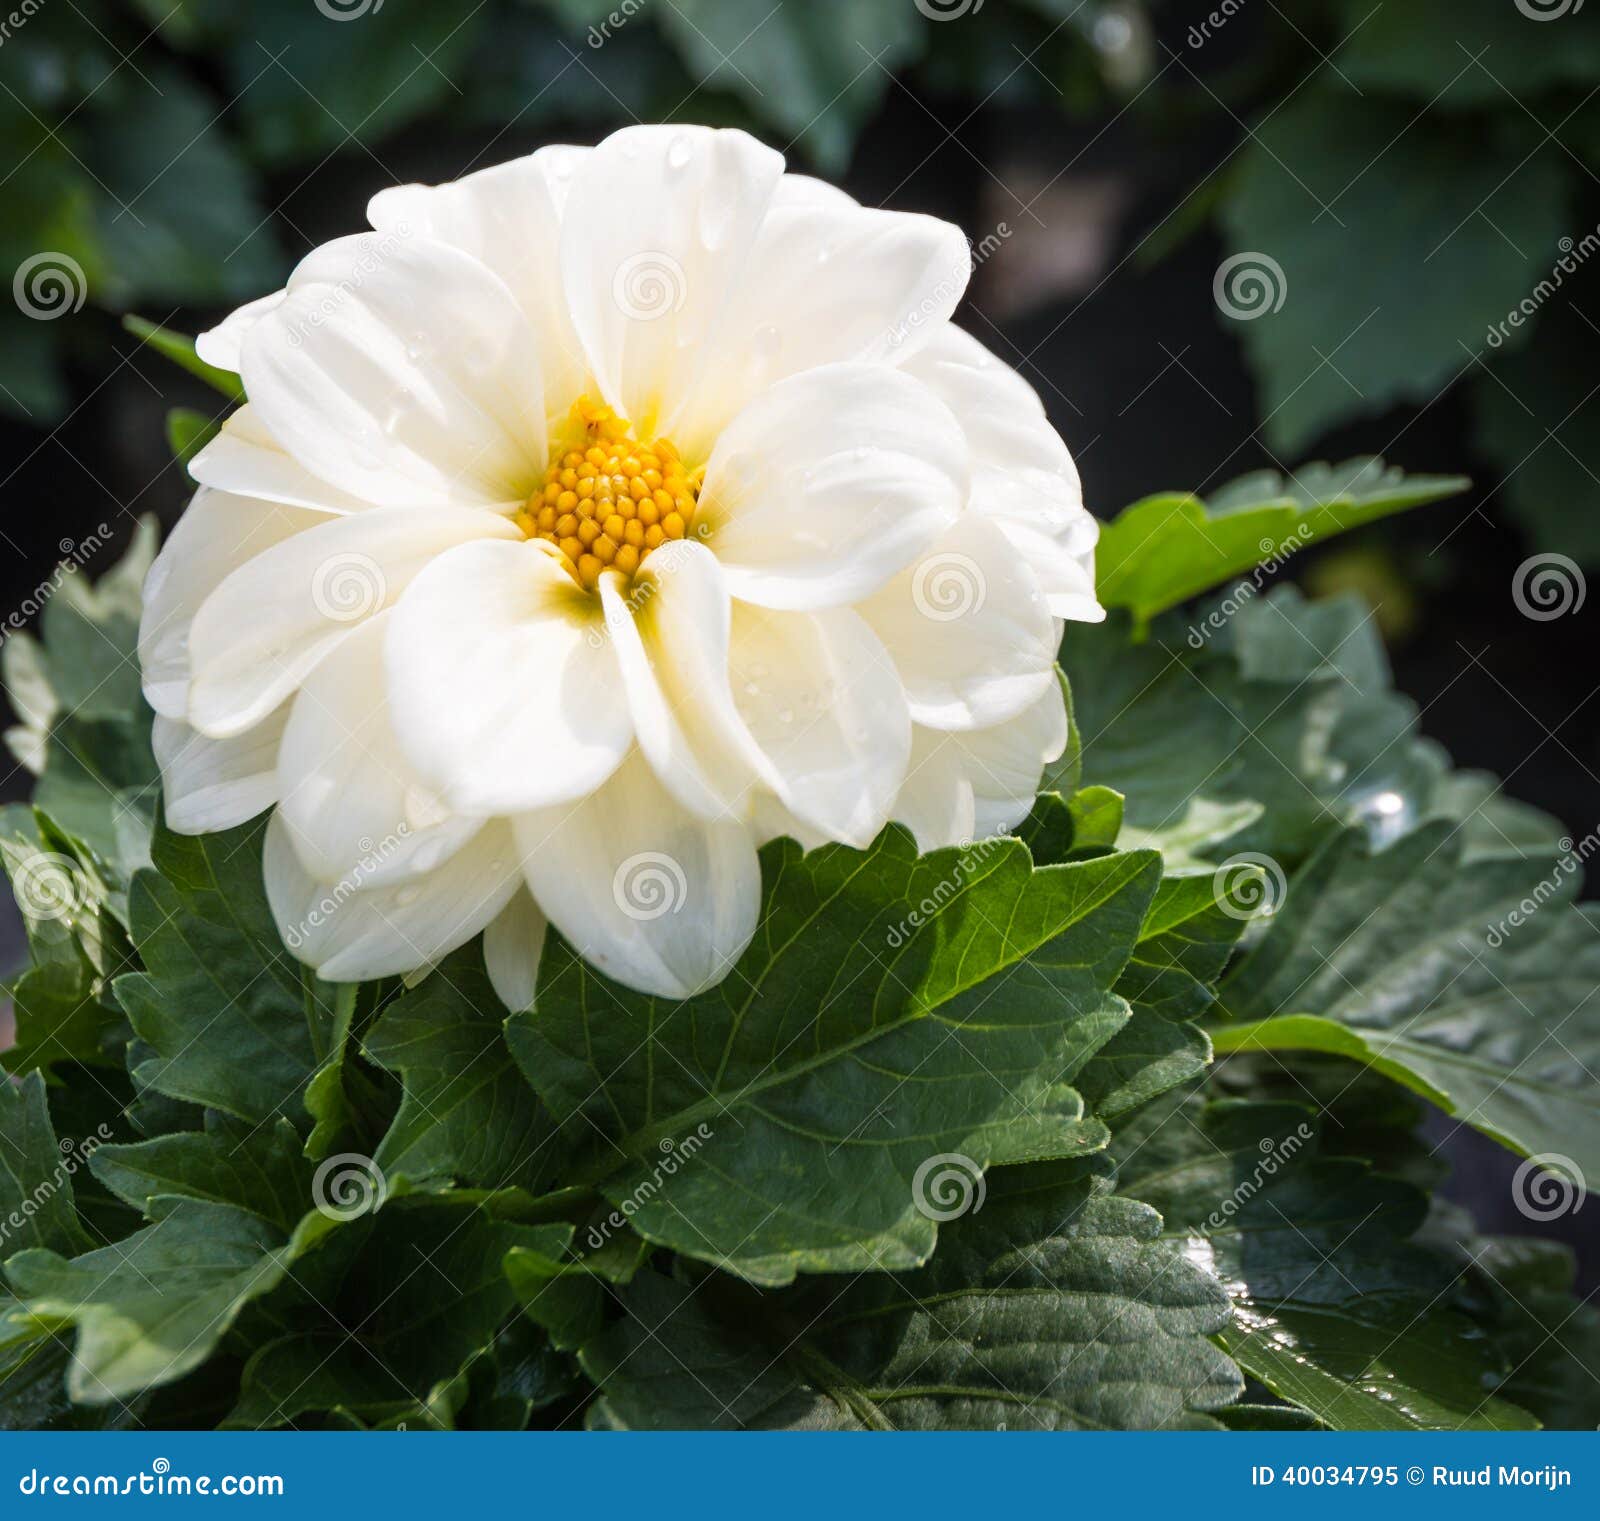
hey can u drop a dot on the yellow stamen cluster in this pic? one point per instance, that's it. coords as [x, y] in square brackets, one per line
[608, 499]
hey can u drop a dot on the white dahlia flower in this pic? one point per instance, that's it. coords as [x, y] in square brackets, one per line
[590, 521]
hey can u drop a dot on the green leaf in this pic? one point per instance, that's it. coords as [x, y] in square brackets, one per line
[180, 350]
[1286, 709]
[890, 1008]
[1550, 1339]
[466, 1111]
[302, 95]
[564, 1290]
[235, 1022]
[391, 1309]
[1334, 1308]
[1470, 981]
[1537, 416]
[1185, 942]
[36, 1200]
[259, 1169]
[1165, 549]
[1096, 814]
[182, 219]
[1383, 278]
[152, 1307]
[188, 432]
[816, 72]
[1049, 1306]
[1421, 53]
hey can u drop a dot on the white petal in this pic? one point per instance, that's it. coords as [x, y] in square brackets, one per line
[968, 628]
[1065, 574]
[354, 936]
[215, 536]
[936, 803]
[355, 810]
[246, 459]
[656, 233]
[265, 627]
[221, 344]
[829, 483]
[212, 784]
[806, 190]
[826, 283]
[670, 629]
[770, 820]
[1005, 763]
[1022, 474]
[509, 218]
[512, 945]
[975, 783]
[502, 685]
[647, 892]
[402, 371]
[822, 699]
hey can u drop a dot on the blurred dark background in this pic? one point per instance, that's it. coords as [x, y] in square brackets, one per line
[1415, 182]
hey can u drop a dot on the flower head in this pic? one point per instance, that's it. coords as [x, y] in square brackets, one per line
[590, 521]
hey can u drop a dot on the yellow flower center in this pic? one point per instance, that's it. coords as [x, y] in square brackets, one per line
[608, 498]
